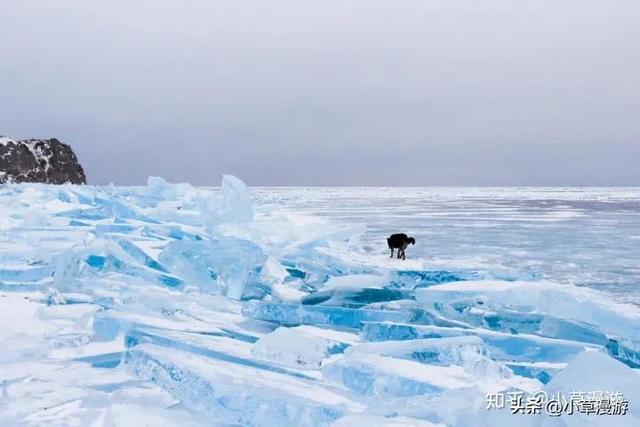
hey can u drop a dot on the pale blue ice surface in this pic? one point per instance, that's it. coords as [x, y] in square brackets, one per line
[175, 305]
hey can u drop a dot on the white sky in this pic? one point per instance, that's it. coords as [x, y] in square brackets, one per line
[331, 92]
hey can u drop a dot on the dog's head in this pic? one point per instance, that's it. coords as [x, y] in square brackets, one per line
[411, 240]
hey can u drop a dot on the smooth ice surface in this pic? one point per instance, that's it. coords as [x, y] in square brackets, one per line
[176, 305]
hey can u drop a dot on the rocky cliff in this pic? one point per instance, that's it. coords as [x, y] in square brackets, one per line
[39, 160]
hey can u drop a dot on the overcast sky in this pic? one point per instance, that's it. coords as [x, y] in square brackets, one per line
[330, 92]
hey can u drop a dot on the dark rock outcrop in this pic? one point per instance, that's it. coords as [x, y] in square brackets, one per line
[39, 160]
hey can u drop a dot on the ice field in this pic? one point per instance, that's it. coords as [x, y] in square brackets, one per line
[173, 305]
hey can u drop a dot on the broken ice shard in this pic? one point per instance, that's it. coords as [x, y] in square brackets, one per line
[500, 346]
[106, 256]
[301, 347]
[433, 351]
[28, 274]
[580, 305]
[213, 346]
[372, 374]
[354, 298]
[235, 393]
[296, 314]
[223, 266]
[595, 371]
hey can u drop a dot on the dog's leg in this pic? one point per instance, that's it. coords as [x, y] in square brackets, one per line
[391, 252]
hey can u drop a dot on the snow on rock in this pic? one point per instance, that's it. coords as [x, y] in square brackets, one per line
[39, 160]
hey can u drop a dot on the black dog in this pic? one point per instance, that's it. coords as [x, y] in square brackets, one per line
[400, 242]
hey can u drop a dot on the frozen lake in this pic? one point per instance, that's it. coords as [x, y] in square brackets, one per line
[173, 305]
[582, 236]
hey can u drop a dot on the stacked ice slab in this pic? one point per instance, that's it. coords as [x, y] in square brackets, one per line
[169, 304]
